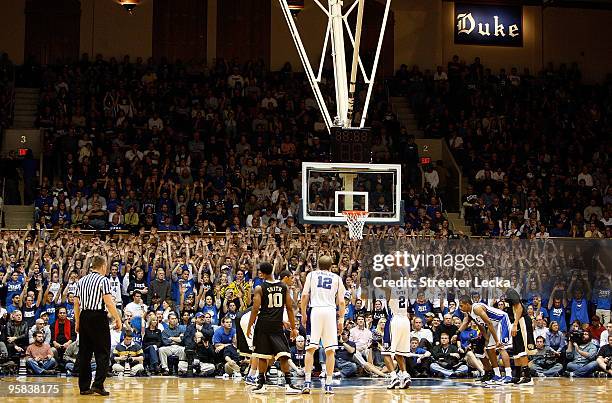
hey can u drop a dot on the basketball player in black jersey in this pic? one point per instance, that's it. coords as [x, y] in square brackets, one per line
[270, 299]
[523, 343]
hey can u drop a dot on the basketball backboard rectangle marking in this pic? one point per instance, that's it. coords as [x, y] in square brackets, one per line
[338, 211]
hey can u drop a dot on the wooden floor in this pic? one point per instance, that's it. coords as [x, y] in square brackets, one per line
[157, 389]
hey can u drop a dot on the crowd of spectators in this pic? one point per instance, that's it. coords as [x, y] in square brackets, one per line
[535, 148]
[132, 144]
[180, 295]
[194, 172]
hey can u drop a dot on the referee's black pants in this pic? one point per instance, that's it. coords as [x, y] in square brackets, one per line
[94, 338]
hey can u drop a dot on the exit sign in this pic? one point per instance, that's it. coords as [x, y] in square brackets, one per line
[22, 152]
[425, 160]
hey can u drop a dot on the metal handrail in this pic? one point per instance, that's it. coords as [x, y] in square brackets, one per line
[222, 234]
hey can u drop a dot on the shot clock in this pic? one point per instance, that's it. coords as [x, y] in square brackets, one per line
[351, 145]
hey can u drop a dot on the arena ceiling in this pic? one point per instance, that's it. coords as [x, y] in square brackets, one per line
[579, 3]
[597, 4]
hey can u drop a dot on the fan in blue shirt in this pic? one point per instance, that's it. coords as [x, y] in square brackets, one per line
[556, 310]
[421, 306]
[224, 334]
[49, 306]
[136, 324]
[350, 308]
[602, 294]
[14, 286]
[579, 308]
[210, 308]
[177, 282]
[453, 310]
[557, 307]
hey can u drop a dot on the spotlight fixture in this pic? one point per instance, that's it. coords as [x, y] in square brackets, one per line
[129, 5]
[295, 6]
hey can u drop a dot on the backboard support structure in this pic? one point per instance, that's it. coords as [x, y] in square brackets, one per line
[345, 85]
[329, 189]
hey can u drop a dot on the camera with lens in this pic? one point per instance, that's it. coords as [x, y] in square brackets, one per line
[576, 336]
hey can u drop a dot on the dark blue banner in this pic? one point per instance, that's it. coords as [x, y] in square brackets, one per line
[477, 24]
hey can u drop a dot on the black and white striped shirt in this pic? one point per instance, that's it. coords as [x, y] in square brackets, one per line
[91, 289]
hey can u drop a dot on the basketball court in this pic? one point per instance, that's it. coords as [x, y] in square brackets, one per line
[163, 389]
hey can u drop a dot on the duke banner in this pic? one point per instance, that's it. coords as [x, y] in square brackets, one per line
[498, 25]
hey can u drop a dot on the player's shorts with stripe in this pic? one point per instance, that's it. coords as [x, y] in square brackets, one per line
[270, 341]
[523, 343]
[323, 327]
[400, 335]
[245, 344]
[503, 332]
[386, 341]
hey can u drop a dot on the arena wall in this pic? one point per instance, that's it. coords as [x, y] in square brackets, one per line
[580, 35]
[423, 33]
[115, 32]
[12, 29]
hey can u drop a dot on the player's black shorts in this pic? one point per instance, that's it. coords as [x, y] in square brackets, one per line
[523, 343]
[269, 341]
[478, 347]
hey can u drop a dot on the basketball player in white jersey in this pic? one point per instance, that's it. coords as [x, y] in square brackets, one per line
[398, 327]
[496, 324]
[323, 291]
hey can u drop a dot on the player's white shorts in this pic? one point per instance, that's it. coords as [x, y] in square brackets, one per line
[400, 335]
[244, 325]
[323, 328]
[503, 332]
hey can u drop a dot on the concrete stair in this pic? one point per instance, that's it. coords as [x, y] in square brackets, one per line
[18, 217]
[406, 116]
[458, 224]
[26, 106]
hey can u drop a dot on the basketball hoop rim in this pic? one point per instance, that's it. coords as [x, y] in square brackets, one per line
[355, 213]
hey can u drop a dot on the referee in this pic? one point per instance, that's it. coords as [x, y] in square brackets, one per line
[91, 322]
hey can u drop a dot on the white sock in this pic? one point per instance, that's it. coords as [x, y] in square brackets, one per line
[508, 371]
[252, 372]
[393, 374]
[482, 372]
[329, 379]
[405, 374]
[496, 371]
[307, 377]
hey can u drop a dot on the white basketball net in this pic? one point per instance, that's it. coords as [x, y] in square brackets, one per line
[354, 221]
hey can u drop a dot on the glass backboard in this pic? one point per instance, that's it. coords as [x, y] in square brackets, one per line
[328, 189]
